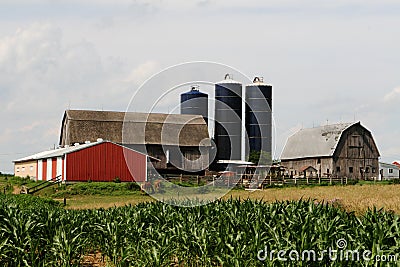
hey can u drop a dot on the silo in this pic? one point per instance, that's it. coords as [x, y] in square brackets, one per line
[195, 102]
[228, 119]
[258, 120]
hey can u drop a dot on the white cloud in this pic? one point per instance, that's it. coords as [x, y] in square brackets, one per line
[143, 72]
[392, 96]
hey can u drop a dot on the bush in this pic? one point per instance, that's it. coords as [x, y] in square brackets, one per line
[132, 186]
[117, 180]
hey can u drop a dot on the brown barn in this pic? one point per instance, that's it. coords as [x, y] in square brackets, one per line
[180, 142]
[338, 150]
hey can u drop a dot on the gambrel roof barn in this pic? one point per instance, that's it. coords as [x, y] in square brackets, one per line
[345, 149]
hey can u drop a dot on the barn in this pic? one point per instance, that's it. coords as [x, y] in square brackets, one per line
[181, 143]
[101, 161]
[337, 150]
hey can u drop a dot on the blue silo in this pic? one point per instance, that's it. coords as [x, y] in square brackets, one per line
[258, 120]
[228, 119]
[195, 102]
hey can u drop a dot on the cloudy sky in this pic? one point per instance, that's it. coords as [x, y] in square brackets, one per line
[335, 61]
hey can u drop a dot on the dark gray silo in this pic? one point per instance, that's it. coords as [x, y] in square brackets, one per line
[259, 116]
[228, 119]
[195, 102]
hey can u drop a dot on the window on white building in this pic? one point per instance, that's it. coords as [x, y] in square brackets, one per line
[390, 170]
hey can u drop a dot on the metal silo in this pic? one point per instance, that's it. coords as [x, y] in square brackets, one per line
[195, 102]
[228, 119]
[259, 116]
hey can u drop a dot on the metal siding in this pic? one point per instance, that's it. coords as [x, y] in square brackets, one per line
[39, 170]
[105, 162]
[49, 169]
[53, 167]
[44, 169]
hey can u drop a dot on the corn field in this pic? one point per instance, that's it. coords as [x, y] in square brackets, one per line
[37, 232]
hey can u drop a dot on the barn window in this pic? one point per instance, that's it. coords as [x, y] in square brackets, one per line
[23, 169]
[367, 170]
[390, 170]
[17, 169]
[337, 169]
[327, 171]
[319, 161]
[351, 170]
[373, 170]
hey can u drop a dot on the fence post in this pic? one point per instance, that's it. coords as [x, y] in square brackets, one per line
[180, 178]
[341, 180]
[295, 180]
[270, 180]
[330, 180]
[319, 179]
[307, 179]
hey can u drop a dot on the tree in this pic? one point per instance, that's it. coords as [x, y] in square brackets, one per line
[260, 157]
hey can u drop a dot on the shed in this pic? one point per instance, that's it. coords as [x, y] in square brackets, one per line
[388, 171]
[102, 161]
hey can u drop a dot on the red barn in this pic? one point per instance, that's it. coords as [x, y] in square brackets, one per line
[101, 161]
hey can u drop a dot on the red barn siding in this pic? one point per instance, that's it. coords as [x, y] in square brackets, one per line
[44, 170]
[53, 167]
[105, 162]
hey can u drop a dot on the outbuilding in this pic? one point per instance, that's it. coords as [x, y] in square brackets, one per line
[388, 171]
[101, 161]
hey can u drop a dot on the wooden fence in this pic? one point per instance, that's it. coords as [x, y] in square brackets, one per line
[255, 181]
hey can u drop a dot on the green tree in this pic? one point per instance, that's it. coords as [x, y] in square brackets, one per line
[260, 157]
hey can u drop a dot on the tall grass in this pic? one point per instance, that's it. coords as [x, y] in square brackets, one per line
[36, 232]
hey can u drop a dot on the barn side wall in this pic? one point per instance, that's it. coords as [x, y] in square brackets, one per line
[294, 167]
[104, 163]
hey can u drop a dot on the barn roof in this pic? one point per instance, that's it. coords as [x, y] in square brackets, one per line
[314, 142]
[134, 128]
[61, 151]
[58, 152]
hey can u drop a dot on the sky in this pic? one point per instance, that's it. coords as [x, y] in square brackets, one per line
[328, 61]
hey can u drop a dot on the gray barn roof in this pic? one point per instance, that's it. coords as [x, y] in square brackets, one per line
[314, 142]
[79, 126]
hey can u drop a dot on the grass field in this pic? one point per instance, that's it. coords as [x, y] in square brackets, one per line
[356, 198]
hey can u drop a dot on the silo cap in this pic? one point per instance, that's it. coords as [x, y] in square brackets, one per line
[228, 79]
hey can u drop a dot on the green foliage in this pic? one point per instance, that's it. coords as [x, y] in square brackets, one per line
[260, 157]
[37, 232]
[96, 188]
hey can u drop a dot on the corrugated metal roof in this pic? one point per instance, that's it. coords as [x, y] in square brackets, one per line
[56, 152]
[314, 142]
[59, 152]
[388, 165]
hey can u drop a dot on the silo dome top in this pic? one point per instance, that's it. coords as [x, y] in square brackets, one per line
[228, 79]
[194, 90]
[257, 81]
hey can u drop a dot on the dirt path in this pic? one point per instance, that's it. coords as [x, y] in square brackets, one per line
[16, 190]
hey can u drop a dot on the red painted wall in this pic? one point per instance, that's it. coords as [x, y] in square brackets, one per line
[105, 162]
[44, 171]
[53, 168]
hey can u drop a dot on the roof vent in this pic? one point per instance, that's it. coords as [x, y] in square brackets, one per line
[99, 139]
[76, 144]
[87, 142]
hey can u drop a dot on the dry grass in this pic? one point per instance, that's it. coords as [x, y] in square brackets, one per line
[356, 198]
[96, 202]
